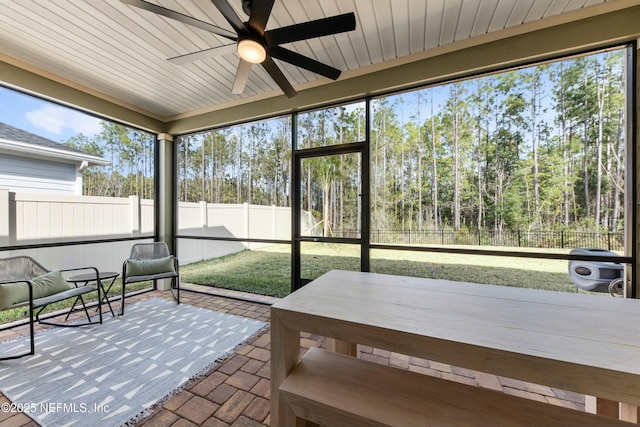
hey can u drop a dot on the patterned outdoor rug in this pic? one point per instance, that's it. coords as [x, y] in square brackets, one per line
[114, 373]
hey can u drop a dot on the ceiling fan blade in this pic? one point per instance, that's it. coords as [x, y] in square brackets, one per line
[203, 54]
[230, 15]
[278, 77]
[177, 16]
[242, 75]
[306, 30]
[305, 62]
[260, 12]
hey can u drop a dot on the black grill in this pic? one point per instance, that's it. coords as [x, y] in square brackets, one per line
[610, 273]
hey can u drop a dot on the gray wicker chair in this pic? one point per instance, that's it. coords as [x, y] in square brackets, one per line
[20, 272]
[150, 261]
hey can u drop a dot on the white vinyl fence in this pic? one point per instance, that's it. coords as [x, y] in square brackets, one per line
[242, 221]
[31, 219]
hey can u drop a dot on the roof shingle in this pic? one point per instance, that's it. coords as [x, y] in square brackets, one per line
[11, 133]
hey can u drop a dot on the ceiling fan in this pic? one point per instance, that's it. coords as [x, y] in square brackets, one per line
[254, 44]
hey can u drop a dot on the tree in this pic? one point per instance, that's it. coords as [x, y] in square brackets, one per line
[458, 137]
[384, 133]
[535, 148]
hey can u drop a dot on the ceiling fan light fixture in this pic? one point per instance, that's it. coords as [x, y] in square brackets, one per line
[252, 51]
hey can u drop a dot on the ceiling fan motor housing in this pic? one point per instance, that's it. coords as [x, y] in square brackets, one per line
[246, 6]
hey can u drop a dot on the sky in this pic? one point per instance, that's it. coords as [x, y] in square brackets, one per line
[44, 118]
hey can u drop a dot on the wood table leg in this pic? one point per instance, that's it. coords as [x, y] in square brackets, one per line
[285, 355]
[342, 347]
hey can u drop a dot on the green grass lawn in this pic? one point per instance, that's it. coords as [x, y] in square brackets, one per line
[257, 271]
[267, 271]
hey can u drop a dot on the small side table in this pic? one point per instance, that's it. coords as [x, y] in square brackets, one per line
[102, 277]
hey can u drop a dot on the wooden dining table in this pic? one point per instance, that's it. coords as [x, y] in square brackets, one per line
[577, 342]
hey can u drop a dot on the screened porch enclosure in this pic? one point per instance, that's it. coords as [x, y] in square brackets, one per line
[462, 147]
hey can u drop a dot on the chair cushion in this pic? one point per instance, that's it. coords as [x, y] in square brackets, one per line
[48, 284]
[150, 267]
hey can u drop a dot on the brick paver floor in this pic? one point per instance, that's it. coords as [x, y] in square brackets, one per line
[236, 392]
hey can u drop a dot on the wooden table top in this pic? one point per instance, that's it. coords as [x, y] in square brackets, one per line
[588, 344]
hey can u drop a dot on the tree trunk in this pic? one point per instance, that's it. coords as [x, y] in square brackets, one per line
[585, 160]
[534, 152]
[434, 171]
[618, 180]
[564, 142]
[600, 89]
[456, 169]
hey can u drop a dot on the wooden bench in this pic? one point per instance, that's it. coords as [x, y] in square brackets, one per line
[26, 283]
[336, 390]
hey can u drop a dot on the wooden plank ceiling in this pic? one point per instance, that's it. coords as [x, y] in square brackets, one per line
[121, 51]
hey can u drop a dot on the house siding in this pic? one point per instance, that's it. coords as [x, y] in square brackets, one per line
[29, 175]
